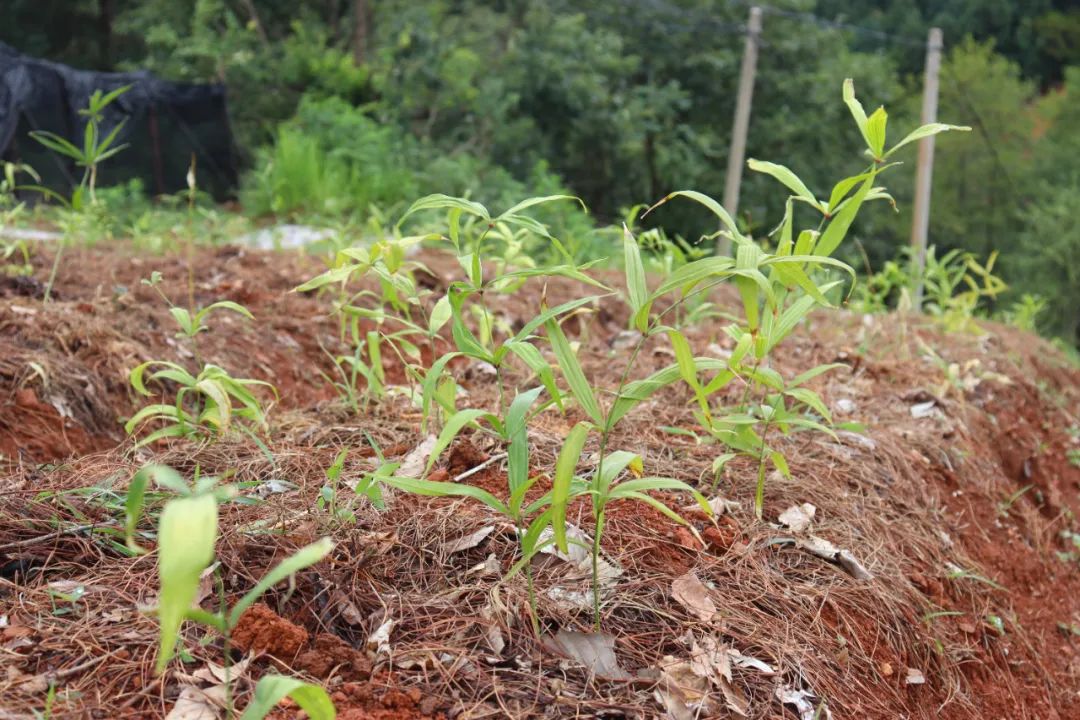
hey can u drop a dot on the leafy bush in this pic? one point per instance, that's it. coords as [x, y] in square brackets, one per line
[335, 159]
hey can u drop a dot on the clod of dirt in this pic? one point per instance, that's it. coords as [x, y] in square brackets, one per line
[361, 701]
[261, 630]
[464, 456]
[330, 654]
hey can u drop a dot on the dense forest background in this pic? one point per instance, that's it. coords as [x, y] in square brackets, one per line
[346, 107]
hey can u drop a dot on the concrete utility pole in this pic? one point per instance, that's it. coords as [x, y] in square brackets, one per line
[920, 221]
[742, 123]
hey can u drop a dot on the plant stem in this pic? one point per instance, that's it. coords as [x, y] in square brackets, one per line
[55, 268]
[759, 493]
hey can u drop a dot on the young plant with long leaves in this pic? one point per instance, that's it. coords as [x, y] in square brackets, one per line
[186, 539]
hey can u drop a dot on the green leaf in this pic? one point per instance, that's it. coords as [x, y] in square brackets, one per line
[635, 280]
[108, 140]
[543, 317]
[926, 131]
[689, 275]
[440, 315]
[430, 386]
[168, 412]
[183, 319]
[335, 275]
[302, 558]
[528, 354]
[187, 533]
[684, 358]
[216, 392]
[136, 496]
[530, 202]
[227, 305]
[453, 426]
[571, 369]
[464, 338]
[811, 399]
[787, 177]
[857, 112]
[640, 390]
[518, 451]
[813, 373]
[875, 131]
[717, 209]
[614, 464]
[135, 377]
[440, 201]
[646, 484]
[836, 231]
[104, 101]
[565, 466]
[57, 144]
[429, 488]
[272, 689]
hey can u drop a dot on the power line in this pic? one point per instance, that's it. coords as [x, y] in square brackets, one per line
[833, 24]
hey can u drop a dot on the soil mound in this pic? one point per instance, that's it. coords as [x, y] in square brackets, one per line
[926, 568]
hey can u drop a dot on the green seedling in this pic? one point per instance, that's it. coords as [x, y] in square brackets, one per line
[328, 493]
[778, 291]
[206, 405]
[187, 536]
[193, 322]
[96, 148]
[1005, 505]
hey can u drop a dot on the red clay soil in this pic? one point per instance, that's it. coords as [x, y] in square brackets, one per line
[959, 515]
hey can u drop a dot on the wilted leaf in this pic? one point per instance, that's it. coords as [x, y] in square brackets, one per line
[692, 594]
[577, 554]
[379, 641]
[827, 551]
[493, 634]
[414, 463]
[196, 704]
[925, 409]
[219, 675]
[735, 698]
[745, 661]
[798, 517]
[801, 701]
[596, 651]
[468, 541]
[718, 505]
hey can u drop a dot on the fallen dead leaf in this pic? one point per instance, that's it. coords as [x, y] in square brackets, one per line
[798, 517]
[469, 541]
[596, 651]
[718, 505]
[197, 704]
[746, 661]
[219, 674]
[493, 634]
[414, 463]
[490, 566]
[379, 641]
[915, 677]
[692, 594]
[801, 701]
[825, 550]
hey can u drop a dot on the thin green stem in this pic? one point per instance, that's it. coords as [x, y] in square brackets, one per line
[55, 269]
[759, 492]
